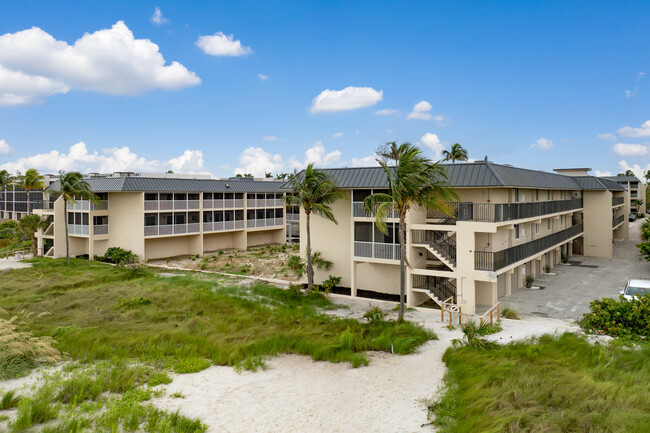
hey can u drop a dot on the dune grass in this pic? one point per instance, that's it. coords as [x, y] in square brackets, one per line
[186, 322]
[555, 384]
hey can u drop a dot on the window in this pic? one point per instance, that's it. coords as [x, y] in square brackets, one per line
[228, 215]
[359, 195]
[536, 195]
[229, 196]
[207, 196]
[167, 196]
[193, 217]
[180, 197]
[537, 228]
[207, 217]
[516, 231]
[218, 216]
[151, 220]
[562, 221]
[100, 220]
[192, 196]
[166, 219]
[516, 195]
[239, 196]
[548, 224]
[218, 196]
[548, 194]
[278, 213]
[388, 238]
[250, 215]
[363, 231]
[179, 218]
[239, 215]
[259, 214]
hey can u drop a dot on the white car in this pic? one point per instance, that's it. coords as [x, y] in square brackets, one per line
[635, 288]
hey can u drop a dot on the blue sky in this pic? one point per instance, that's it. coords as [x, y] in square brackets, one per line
[499, 77]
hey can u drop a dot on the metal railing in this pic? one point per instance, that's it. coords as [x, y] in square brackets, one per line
[293, 217]
[171, 204]
[493, 261]
[440, 241]
[223, 203]
[172, 229]
[359, 211]
[618, 220]
[267, 222]
[617, 201]
[442, 288]
[78, 229]
[85, 205]
[100, 229]
[264, 202]
[376, 250]
[500, 212]
[218, 226]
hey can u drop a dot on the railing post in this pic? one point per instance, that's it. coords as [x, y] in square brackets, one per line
[442, 312]
[460, 315]
[491, 320]
[498, 310]
[450, 318]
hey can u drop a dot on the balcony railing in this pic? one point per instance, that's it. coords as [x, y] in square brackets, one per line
[264, 202]
[172, 229]
[293, 217]
[617, 201]
[100, 229]
[171, 204]
[224, 204]
[443, 288]
[359, 211]
[618, 220]
[218, 226]
[500, 212]
[78, 229]
[85, 205]
[493, 261]
[268, 222]
[376, 250]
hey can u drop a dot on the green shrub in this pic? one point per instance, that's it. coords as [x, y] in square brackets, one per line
[191, 365]
[119, 256]
[34, 410]
[9, 229]
[159, 378]
[346, 340]
[330, 283]
[9, 400]
[528, 281]
[473, 331]
[295, 264]
[374, 315]
[509, 313]
[619, 318]
[564, 258]
[644, 249]
[547, 269]
[133, 302]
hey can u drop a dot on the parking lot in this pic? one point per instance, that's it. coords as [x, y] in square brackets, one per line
[567, 294]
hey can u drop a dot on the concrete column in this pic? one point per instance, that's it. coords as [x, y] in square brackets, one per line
[508, 276]
[353, 279]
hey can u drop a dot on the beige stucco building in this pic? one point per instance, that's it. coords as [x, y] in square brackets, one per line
[636, 190]
[158, 217]
[509, 223]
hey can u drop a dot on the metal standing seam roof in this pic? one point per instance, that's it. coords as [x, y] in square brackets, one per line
[473, 175]
[145, 184]
[622, 178]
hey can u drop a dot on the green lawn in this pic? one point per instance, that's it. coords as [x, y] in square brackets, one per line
[558, 384]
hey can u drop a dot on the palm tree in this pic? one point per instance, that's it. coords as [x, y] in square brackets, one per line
[71, 186]
[647, 177]
[30, 181]
[315, 192]
[413, 181]
[29, 225]
[5, 180]
[456, 153]
[627, 173]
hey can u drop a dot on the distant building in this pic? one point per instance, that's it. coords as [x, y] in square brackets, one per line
[635, 191]
[13, 200]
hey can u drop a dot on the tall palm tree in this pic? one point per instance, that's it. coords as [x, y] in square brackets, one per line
[30, 181]
[5, 180]
[29, 225]
[456, 153]
[315, 192]
[413, 181]
[71, 186]
[647, 177]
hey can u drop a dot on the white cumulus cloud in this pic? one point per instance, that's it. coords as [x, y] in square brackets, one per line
[337, 135]
[5, 149]
[271, 138]
[636, 169]
[542, 144]
[386, 112]
[257, 161]
[366, 161]
[157, 18]
[433, 143]
[629, 131]
[34, 65]
[606, 136]
[222, 45]
[602, 173]
[422, 111]
[350, 98]
[628, 149]
[109, 160]
[262, 77]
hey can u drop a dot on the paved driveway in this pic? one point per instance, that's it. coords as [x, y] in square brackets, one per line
[567, 295]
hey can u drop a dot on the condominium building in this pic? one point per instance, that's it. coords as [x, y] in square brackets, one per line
[635, 191]
[166, 216]
[509, 223]
[13, 200]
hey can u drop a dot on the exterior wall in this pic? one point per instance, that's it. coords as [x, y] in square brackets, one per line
[126, 222]
[263, 237]
[334, 241]
[378, 277]
[158, 248]
[597, 223]
[219, 241]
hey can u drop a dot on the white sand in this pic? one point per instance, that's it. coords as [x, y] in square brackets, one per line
[297, 394]
[13, 263]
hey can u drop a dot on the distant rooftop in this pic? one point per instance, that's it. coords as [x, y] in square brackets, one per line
[622, 178]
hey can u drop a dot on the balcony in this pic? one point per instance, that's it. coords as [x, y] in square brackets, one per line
[264, 202]
[493, 261]
[85, 205]
[268, 222]
[293, 217]
[224, 204]
[359, 211]
[618, 220]
[78, 229]
[376, 250]
[500, 212]
[617, 201]
[219, 226]
[172, 229]
[101, 229]
[171, 204]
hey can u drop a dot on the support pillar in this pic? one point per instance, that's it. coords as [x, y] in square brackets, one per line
[353, 280]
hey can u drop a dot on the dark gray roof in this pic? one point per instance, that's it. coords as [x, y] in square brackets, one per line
[622, 178]
[473, 175]
[151, 184]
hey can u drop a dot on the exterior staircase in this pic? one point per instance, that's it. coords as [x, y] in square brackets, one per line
[439, 289]
[439, 243]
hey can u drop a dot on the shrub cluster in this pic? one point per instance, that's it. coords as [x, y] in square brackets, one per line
[118, 256]
[644, 247]
[619, 318]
